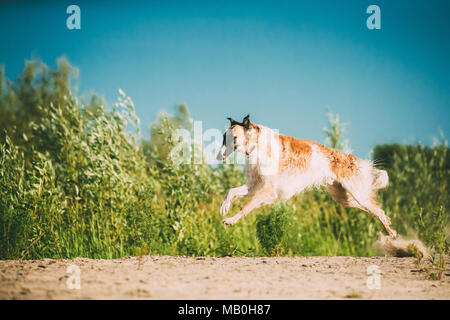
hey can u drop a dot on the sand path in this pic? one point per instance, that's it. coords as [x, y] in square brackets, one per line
[163, 277]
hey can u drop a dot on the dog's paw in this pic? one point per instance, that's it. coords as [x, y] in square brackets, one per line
[229, 221]
[225, 208]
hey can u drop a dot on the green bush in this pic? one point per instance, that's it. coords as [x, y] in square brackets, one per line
[271, 230]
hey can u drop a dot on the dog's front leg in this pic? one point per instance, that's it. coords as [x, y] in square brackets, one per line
[231, 195]
[263, 197]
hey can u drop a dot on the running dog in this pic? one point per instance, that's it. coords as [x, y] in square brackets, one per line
[278, 167]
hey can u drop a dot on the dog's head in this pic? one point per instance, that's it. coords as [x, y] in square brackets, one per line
[240, 136]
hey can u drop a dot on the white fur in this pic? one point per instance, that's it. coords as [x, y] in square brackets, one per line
[317, 173]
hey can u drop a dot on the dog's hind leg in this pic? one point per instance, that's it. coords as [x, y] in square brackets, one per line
[342, 196]
[264, 196]
[349, 194]
[231, 195]
[371, 206]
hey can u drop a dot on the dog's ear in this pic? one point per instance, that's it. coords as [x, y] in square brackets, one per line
[231, 121]
[246, 122]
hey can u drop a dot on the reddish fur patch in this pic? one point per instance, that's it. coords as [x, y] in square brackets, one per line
[343, 165]
[295, 153]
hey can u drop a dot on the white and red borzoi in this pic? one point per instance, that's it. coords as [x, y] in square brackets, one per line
[278, 167]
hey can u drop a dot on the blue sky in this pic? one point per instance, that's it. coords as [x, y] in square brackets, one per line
[282, 62]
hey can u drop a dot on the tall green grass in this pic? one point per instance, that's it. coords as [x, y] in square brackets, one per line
[77, 180]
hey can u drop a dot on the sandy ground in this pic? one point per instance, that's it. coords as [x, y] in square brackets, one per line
[162, 277]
